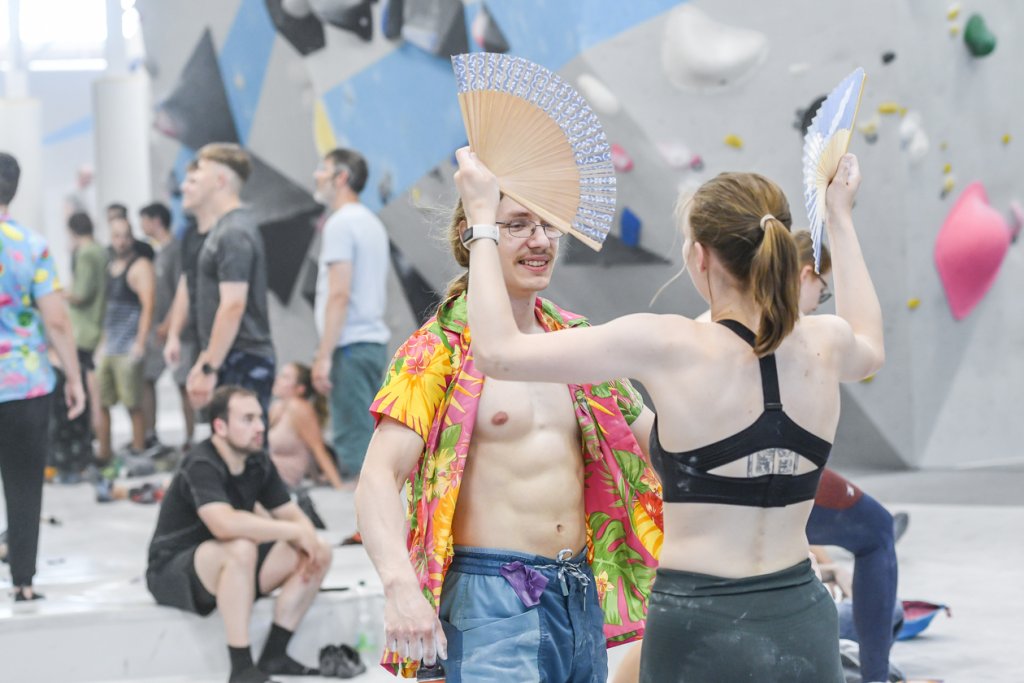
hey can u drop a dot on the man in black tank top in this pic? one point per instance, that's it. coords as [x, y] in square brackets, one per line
[130, 285]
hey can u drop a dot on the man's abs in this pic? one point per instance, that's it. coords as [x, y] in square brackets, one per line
[523, 484]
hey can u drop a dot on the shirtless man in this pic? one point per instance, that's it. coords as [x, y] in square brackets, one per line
[500, 586]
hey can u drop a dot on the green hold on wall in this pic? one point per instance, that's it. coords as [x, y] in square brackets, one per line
[980, 41]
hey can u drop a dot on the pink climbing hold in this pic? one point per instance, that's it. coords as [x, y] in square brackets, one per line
[970, 249]
[621, 160]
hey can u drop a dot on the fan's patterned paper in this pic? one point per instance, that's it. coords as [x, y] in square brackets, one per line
[826, 141]
[580, 126]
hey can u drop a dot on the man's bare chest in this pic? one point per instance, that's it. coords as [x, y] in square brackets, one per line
[515, 410]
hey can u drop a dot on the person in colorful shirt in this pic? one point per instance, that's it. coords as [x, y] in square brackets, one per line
[32, 308]
[534, 520]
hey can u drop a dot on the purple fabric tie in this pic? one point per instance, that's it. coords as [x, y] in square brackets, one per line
[527, 582]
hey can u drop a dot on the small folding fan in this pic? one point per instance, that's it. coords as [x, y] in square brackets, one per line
[542, 141]
[826, 141]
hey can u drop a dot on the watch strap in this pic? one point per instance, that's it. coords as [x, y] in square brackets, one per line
[480, 231]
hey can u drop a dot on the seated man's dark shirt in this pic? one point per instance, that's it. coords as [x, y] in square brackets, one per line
[204, 478]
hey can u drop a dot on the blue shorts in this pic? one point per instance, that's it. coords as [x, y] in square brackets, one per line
[493, 635]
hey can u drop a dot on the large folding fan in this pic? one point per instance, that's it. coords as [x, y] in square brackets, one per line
[826, 141]
[542, 141]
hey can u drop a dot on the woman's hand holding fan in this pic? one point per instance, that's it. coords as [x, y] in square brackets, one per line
[843, 189]
[478, 188]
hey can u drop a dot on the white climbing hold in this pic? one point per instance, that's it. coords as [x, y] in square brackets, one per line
[699, 53]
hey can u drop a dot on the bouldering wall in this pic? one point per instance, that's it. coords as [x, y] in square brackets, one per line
[685, 90]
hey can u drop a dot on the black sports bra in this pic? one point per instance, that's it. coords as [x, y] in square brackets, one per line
[773, 437]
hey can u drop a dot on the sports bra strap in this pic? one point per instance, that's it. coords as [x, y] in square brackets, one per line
[769, 370]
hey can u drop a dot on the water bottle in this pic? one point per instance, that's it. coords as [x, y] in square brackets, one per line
[366, 626]
[433, 674]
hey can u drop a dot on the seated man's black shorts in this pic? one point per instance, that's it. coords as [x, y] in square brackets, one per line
[175, 583]
[85, 360]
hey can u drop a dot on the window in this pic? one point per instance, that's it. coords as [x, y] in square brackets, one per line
[66, 35]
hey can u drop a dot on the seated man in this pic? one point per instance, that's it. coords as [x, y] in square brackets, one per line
[210, 548]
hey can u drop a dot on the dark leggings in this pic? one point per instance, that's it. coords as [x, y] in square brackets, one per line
[865, 529]
[774, 628]
[23, 447]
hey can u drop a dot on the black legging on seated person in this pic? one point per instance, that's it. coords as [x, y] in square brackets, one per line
[23, 447]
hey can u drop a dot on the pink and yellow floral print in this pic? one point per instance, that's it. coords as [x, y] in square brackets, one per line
[433, 387]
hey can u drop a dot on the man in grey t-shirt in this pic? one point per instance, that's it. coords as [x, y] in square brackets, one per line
[351, 295]
[231, 280]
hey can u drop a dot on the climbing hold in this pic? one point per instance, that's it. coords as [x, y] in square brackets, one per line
[869, 128]
[348, 15]
[891, 108]
[598, 94]
[699, 53]
[954, 31]
[1006, 139]
[888, 57]
[943, 145]
[948, 183]
[297, 9]
[734, 141]
[804, 117]
[868, 380]
[1016, 220]
[621, 159]
[415, 194]
[678, 155]
[970, 249]
[978, 38]
[913, 303]
[912, 137]
[630, 225]
[953, 12]
[947, 169]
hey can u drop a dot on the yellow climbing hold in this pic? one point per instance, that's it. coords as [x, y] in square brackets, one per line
[734, 141]
[868, 380]
[869, 127]
[913, 303]
[947, 169]
[891, 108]
[1006, 139]
[948, 184]
[953, 12]
[416, 194]
[954, 30]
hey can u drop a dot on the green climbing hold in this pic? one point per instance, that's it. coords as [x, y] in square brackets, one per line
[980, 41]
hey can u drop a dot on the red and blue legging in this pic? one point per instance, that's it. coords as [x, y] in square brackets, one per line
[845, 516]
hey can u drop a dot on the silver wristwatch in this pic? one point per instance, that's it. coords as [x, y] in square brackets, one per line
[476, 232]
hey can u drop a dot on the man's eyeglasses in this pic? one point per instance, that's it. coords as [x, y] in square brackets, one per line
[826, 293]
[523, 228]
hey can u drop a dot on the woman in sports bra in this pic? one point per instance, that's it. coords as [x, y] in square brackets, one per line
[747, 408]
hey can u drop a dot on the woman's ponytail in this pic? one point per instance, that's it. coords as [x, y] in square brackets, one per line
[775, 283]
